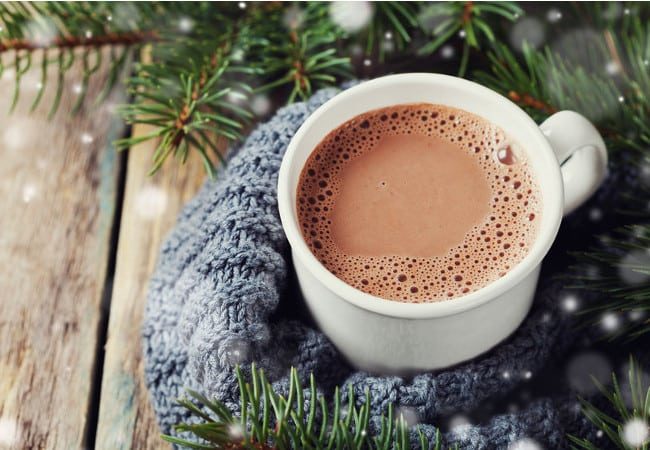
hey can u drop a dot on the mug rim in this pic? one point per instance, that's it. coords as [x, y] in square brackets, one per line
[424, 310]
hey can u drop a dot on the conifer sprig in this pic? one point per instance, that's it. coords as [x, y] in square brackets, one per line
[269, 421]
[469, 20]
[208, 59]
[622, 275]
[609, 86]
[631, 408]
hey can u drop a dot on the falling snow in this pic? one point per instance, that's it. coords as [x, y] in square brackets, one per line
[294, 16]
[528, 30]
[569, 303]
[260, 105]
[150, 202]
[636, 432]
[409, 415]
[554, 15]
[185, 25]
[41, 32]
[235, 431]
[525, 444]
[9, 433]
[630, 267]
[29, 192]
[237, 352]
[610, 322]
[351, 16]
[87, 138]
[595, 214]
[458, 421]
[612, 68]
[582, 367]
[447, 52]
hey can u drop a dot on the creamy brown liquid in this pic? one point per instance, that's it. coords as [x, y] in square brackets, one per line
[418, 203]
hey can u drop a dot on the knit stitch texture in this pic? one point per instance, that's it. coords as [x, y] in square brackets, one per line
[222, 295]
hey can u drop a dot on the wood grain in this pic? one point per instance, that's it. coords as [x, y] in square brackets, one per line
[58, 184]
[126, 418]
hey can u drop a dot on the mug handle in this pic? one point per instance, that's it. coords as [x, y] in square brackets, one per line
[581, 152]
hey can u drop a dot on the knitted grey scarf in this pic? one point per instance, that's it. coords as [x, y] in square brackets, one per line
[221, 296]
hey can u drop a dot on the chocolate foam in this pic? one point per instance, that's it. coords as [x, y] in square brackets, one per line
[484, 239]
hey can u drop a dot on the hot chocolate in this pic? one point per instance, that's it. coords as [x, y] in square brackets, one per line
[418, 202]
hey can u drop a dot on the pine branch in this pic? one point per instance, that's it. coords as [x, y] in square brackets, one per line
[268, 421]
[623, 277]
[471, 21]
[61, 33]
[392, 27]
[629, 427]
[196, 88]
[65, 42]
[543, 82]
[301, 53]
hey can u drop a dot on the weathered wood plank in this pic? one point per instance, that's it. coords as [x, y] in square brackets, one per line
[58, 184]
[126, 418]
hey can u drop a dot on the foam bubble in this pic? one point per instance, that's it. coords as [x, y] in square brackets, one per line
[487, 252]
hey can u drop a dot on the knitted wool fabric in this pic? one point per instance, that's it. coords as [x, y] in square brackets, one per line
[220, 296]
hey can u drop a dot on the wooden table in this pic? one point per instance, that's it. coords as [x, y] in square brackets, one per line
[80, 229]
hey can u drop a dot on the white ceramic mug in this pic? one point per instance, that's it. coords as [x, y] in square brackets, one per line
[569, 159]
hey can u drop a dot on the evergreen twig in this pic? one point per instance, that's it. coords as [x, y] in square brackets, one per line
[303, 419]
[631, 407]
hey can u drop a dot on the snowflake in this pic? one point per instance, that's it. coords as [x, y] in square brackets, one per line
[42, 32]
[447, 52]
[458, 421]
[570, 303]
[612, 68]
[29, 192]
[631, 265]
[636, 432]
[583, 368]
[524, 444]
[610, 321]
[185, 25]
[408, 415]
[150, 202]
[351, 16]
[636, 314]
[595, 214]
[554, 15]
[260, 105]
[294, 17]
[529, 30]
[9, 433]
[235, 431]
[87, 138]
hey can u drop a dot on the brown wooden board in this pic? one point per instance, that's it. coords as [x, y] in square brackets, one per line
[58, 185]
[126, 419]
